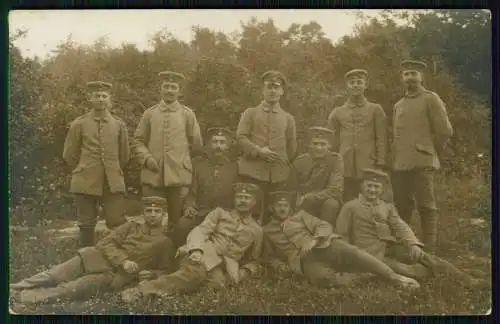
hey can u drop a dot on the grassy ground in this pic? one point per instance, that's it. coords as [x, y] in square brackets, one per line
[284, 293]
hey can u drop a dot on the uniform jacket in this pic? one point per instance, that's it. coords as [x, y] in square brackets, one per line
[420, 127]
[227, 239]
[318, 180]
[149, 247]
[168, 133]
[263, 126]
[360, 136]
[97, 149]
[372, 226]
[287, 238]
[212, 184]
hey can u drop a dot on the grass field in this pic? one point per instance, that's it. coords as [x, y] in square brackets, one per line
[464, 245]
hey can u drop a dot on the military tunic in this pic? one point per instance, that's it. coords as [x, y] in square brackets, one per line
[321, 184]
[95, 268]
[212, 187]
[229, 244]
[97, 149]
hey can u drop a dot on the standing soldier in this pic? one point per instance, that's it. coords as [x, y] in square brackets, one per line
[421, 128]
[97, 149]
[318, 177]
[360, 130]
[267, 135]
[166, 135]
[212, 186]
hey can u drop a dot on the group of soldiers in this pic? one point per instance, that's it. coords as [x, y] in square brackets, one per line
[327, 214]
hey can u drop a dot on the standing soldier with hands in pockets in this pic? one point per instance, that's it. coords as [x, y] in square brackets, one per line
[421, 127]
[167, 134]
[97, 149]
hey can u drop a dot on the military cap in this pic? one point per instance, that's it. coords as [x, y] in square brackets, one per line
[99, 86]
[375, 175]
[277, 196]
[171, 76]
[356, 73]
[154, 201]
[413, 65]
[218, 131]
[243, 187]
[274, 77]
[320, 132]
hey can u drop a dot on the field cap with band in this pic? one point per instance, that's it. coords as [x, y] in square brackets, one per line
[413, 65]
[375, 175]
[98, 86]
[274, 78]
[356, 73]
[170, 76]
[154, 201]
[249, 188]
[320, 132]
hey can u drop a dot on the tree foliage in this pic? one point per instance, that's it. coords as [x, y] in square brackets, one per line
[223, 74]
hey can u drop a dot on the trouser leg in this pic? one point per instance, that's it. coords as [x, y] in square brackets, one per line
[403, 185]
[174, 205]
[398, 258]
[113, 207]
[440, 266]
[351, 188]
[216, 278]
[63, 272]
[346, 257]
[330, 211]
[80, 287]
[87, 210]
[426, 205]
[188, 278]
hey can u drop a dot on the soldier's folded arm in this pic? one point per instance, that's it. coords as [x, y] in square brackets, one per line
[124, 148]
[380, 136]
[343, 225]
[72, 144]
[243, 132]
[335, 186]
[141, 137]
[201, 233]
[110, 245]
[401, 230]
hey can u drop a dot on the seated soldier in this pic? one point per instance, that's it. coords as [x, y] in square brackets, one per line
[318, 177]
[224, 248]
[212, 184]
[129, 252]
[375, 226]
[310, 247]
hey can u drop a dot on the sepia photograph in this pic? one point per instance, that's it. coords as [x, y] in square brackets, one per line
[250, 162]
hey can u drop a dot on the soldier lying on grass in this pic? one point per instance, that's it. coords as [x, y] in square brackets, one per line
[224, 248]
[130, 252]
[310, 248]
[375, 226]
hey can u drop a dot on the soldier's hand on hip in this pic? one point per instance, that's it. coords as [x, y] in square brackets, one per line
[415, 253]
[152, 165]
[130, 266]
[190, 212]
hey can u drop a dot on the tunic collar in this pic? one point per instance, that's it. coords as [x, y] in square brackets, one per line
[173, 107]
[267, 107]
[419, 91]
[148, 230]
[367, 203]
[245, 220]
[104, 117]
[353, 104]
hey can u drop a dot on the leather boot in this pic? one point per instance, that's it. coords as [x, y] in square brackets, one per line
[429, 221]
[41, 279]
[87, 234]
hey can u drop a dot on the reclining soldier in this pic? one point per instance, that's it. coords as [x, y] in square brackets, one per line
[223, 249]
[310, 248]
[375, 226]
[133, 251]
